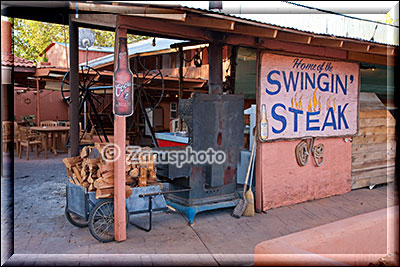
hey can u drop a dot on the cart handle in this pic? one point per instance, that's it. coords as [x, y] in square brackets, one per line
[150, 210]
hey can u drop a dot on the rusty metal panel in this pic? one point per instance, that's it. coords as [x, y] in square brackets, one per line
[214, 122]
[217, 121]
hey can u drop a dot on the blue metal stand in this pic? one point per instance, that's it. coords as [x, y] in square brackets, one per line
[191, 211]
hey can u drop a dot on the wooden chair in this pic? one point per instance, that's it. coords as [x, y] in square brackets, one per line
[7, 133]
[87, 137]
[16, 136]
[28, 139]
[48, 123]
[65, 123]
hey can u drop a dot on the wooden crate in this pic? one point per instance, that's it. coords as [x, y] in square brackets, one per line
[374, 148]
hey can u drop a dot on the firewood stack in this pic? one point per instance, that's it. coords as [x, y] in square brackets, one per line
[96, 174]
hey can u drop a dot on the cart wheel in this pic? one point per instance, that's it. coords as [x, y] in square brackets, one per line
[75, 220]
[101, 221]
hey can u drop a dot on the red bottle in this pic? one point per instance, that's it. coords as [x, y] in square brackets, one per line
[123, 82]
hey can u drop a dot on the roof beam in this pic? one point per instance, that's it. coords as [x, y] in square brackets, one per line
[163, 28]
[382, 50]
[287, 47]
[255, 31]
[370, 58]
[142, 11]
[207, 22]
[353, 46]
[293, 37]
[104, 20]
[318, 41]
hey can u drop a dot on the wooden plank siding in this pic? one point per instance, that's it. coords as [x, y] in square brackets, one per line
[374, 148]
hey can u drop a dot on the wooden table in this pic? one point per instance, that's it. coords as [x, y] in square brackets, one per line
[52, 130]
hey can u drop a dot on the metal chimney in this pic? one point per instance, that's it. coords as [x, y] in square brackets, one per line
[6, 46]
[215, 5]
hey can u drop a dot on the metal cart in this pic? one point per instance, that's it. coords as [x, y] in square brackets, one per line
[82, 209]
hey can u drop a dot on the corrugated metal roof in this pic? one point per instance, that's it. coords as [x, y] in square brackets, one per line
[92, 48]
[354, 35]
[352, 32]
[137, 48]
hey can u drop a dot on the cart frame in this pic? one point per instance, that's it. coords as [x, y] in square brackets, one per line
[81, 206]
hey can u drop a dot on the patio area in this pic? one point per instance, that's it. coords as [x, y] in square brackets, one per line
[43, 236]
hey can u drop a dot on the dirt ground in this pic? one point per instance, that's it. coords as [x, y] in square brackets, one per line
[41, 230]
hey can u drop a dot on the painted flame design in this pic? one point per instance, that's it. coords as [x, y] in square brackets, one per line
[315, 99]
[319, 103]
[328, 103]
[300, 103]
[297, 104]
[313, 102]
[334, 105]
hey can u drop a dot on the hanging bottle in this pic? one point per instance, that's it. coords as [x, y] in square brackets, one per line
[264, 123]
[123, 82]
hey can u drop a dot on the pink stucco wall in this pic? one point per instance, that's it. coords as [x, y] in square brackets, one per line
[52, 107]
[281, 181]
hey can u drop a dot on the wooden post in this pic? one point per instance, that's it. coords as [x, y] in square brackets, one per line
[180, 94]
[7, 159]
[119, 164]
[37, 102]
[215, 68]
[74, 88]
[233, 68]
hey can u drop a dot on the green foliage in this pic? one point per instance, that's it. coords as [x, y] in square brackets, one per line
[32, 37]
[28, 120]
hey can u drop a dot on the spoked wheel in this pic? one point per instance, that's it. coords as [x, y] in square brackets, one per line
[89, 79]
[142, 87]
[101, 221]
[75, 220]
[92, 92]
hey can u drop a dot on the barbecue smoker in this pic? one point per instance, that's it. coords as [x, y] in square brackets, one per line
[214, 121]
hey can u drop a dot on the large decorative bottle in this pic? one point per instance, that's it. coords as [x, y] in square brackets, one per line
[264, 123]
[123, 82]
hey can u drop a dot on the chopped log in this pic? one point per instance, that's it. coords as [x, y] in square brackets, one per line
[108, 175]
[129, 180]
[75, 180]
[143, 177]
[152, 176]
[77, 174]
[128, 191]
[91, 188]
[106, 167]
[101, 183]
[70, 162]
[85, 152]
[84, 174]
[93, 163]
[67, 167]
[134, 172]
[109, 192]
[104, 193]
[90, 179]
[93, 174]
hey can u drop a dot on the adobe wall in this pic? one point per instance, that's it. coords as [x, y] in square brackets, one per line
[281, 181]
